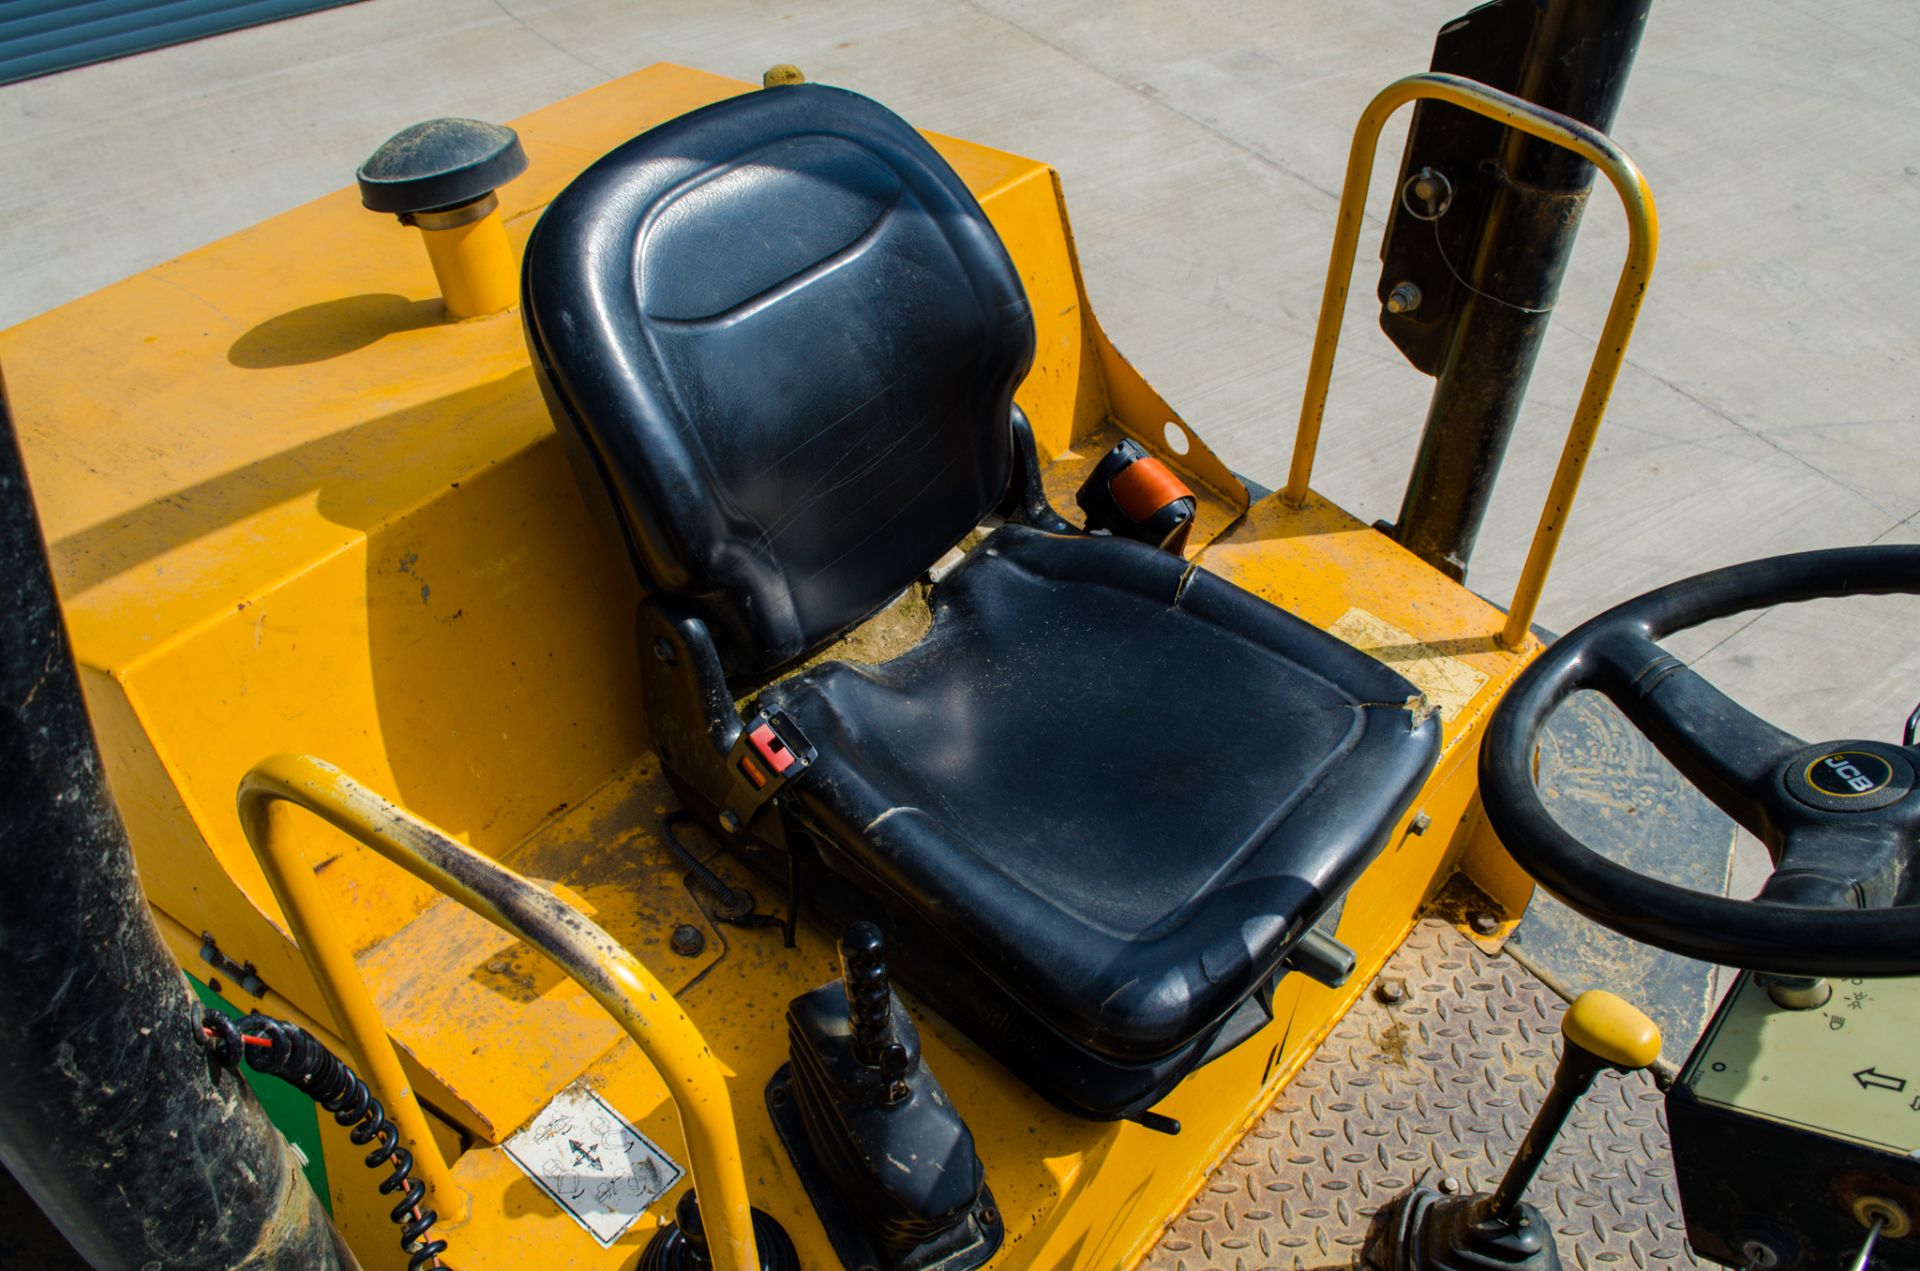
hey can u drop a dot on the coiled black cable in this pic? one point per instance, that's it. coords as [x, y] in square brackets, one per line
[290, 1053]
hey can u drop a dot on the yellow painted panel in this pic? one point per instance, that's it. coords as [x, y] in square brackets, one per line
[1317, 562]
[499, 1028]
[1146, 417]
[1449, 684]
[1064, 395]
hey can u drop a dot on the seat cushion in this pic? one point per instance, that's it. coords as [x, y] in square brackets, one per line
[1117, 785]
[779, 339]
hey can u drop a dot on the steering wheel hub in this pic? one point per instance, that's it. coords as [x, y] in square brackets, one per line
[1849, 776]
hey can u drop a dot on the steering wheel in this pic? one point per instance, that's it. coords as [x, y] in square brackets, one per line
[1841, 819]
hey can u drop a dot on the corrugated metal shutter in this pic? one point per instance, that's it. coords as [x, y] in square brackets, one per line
[38, 37]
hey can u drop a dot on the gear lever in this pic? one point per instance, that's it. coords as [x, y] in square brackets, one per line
[1426, 1230]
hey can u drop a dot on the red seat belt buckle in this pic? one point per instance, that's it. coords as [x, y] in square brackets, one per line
[770, 751]
[771, 748]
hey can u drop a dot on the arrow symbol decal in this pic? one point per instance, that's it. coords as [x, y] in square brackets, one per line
[1869, 1079]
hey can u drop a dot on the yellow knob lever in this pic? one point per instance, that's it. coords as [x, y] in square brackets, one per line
[1612, 1030]
[1601, 1031]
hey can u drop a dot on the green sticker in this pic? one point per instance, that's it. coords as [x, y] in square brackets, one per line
[291, 1112]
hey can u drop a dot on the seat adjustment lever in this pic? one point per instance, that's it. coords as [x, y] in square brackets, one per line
[1322, 958]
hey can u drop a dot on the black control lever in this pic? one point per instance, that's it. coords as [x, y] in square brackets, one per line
[882, 1151]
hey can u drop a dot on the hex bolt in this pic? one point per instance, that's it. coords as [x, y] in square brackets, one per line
[1483, 923]
[1404, 298]
[1391, 992]
[688, 941]
[1421, 824]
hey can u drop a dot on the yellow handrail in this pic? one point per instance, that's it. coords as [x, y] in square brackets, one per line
[564, 935]
[1643, 238]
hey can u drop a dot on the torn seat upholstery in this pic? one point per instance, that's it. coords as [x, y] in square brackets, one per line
[1098, 803]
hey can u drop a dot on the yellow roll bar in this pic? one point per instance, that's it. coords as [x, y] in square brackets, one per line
[564, 935]
[1643, 239]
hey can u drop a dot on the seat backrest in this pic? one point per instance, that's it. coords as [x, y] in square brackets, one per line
[781, 340]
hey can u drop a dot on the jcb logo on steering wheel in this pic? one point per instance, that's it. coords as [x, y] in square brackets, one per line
[1849, 773]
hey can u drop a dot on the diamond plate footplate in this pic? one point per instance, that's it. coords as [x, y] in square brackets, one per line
[1440, 1085]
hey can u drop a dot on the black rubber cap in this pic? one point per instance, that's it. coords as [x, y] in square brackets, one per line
[439, 164]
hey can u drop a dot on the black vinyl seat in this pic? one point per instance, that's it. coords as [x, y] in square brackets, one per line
[1126, 788]
[1099, 803]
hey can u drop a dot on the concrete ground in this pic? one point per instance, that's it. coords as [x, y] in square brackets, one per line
[1768, 405]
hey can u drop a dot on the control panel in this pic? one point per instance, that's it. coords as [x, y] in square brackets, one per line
[1796, 1122]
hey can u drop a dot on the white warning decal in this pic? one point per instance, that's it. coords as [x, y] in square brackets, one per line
[592, 1161]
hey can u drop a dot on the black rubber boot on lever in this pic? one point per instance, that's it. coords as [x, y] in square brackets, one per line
[681, 1245]
[885, 1156]
[1426, 1230]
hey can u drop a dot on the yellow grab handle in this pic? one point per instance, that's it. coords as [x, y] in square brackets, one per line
[1643, 238]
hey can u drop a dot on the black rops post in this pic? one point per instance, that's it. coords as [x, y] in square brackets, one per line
[111, 1116]
[1483, 221]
